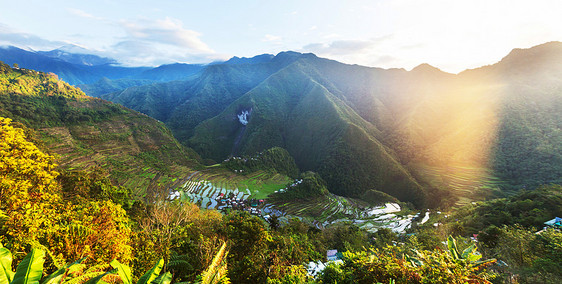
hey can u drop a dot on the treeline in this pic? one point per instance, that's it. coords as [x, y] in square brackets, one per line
[310, 185]
[275, 158]
[41, 100]
[510, 230]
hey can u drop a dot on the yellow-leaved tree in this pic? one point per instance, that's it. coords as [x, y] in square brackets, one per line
[33, 212]
[28, 188]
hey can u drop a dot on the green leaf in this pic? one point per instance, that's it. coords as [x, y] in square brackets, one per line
[86, 277]
[165, 278]
[474, 257]
[123, 270]
[56, 276]
[152, 273]
[468, 251]
[30, 269]
[452, 245]
[483, 262]
[98, 278]
[6, 273]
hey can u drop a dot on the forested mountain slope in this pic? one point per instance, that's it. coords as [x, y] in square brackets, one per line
[365, 128]
[136, 151]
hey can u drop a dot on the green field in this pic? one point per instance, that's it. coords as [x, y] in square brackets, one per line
[260, 183]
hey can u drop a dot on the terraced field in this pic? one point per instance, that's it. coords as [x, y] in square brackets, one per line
[135, 154]
[206, 188]
[258, 184]
[466, 182]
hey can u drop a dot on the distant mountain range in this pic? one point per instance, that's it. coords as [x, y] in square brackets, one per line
[411, 134]
[75, 67]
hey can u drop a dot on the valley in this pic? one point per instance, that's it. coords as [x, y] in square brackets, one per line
[286, 158]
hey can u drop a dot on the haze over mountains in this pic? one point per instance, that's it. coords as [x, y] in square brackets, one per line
[83, 68]
[408, 134]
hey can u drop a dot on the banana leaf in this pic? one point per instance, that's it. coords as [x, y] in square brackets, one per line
[123, 270]
[152, 273]
[30, 269]
[165, 278]
[6, 273]
[57, 276]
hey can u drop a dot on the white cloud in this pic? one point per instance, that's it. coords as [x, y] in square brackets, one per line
[272, 38]
[83, 14]
[8, 36]
[168, 32]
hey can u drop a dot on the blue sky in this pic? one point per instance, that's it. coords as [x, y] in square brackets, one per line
[451, 35]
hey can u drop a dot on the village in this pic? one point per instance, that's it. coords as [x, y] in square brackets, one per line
[209, 196]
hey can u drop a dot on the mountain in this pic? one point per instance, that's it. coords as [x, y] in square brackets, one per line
[170, 72]
[138, 152]
[75, 66]
[71, 73]
[401, 132]
[105, 85]
[182, 105]
[291, 109]
[263, 58]
[77, 55]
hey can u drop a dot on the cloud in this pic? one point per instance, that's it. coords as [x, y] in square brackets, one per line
[385, 60]
[145, 42]
[9, 36]
[143, 53]
[376, 52]
[155, 42]
[82, 14]
[168, 31]
[341, 47]
[272, 38]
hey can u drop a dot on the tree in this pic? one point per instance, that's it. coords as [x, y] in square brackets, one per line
[28, 189]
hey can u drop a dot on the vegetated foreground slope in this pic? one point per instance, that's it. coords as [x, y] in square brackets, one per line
[137, 151]
[403, 133]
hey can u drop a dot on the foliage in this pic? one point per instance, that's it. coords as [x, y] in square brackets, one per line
[309, 185]
[39, 215]
[30, 270]
[217, 271]
[295, 274]
[28, 189]
[529, 257]
[276, 158]
[529, 208]
[93, 185]
[393, 264]
[99, 230]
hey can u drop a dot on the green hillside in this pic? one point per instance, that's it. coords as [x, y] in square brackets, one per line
[293, 111]
[492, 127]
[136, 151]
[182, 105]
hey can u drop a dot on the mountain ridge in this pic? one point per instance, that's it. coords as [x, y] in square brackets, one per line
[422, 119]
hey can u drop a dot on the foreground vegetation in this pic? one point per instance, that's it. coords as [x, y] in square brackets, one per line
[62, 224]
[82, 217]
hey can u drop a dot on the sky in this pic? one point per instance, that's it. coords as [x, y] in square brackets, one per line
[452, 35]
